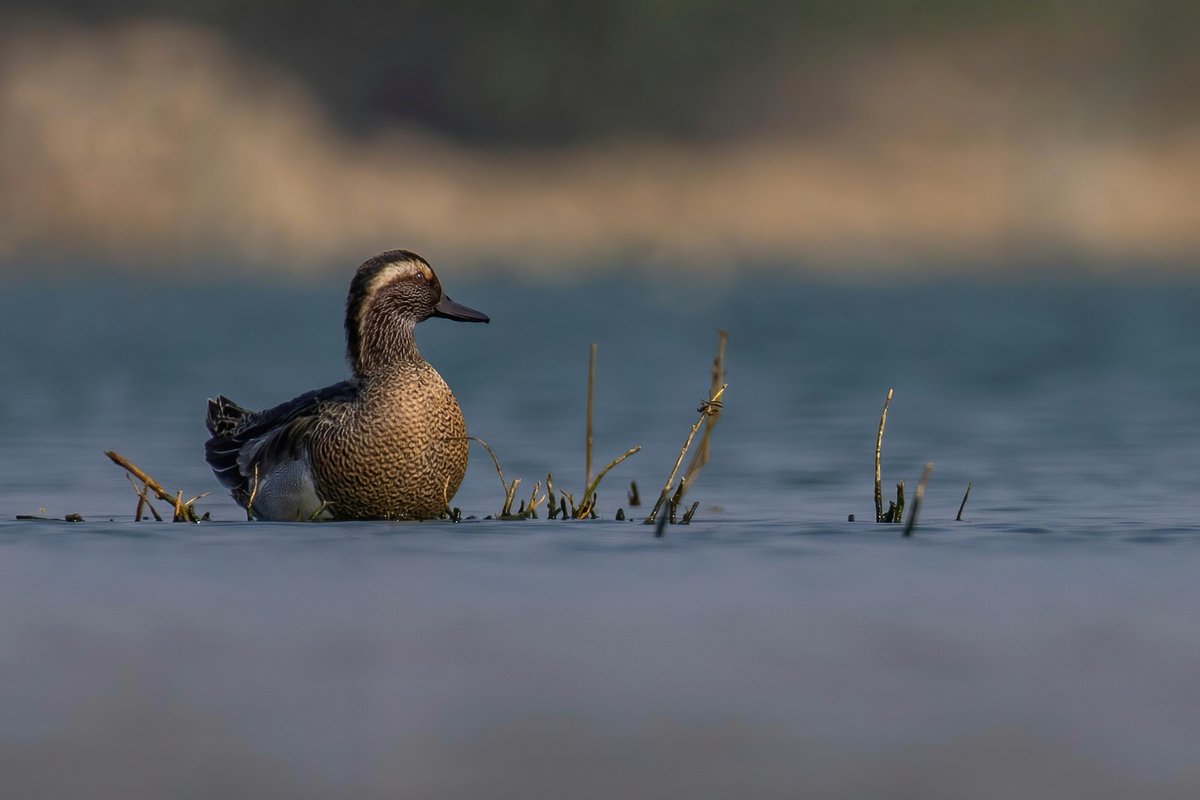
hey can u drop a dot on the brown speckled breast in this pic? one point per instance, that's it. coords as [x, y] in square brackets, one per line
[400, 453]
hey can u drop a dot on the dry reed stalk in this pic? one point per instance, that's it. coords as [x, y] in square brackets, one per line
[587, 445]
[918, 496]
[711, 406]
[700, 457]
[878, 453]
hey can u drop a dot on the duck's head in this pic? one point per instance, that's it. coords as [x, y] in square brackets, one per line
[390, 294]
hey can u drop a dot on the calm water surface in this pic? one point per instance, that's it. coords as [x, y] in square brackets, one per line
[1047, 646]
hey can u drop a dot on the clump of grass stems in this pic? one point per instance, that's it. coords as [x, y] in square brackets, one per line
[566, 507]
[895, 511]
[524, 511]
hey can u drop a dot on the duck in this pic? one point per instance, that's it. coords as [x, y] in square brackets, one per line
[389, 443]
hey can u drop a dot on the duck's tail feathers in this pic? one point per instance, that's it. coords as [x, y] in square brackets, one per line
[224, 416]
[223, 419]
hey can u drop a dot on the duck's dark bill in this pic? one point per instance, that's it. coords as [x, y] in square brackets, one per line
[451, 310]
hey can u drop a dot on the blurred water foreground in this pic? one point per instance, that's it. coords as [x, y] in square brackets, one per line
[162, 142]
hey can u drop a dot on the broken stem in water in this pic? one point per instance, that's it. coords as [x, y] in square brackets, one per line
[918, 496]
[963, 504]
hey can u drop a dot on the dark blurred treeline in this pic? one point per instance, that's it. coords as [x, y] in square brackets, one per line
[538, 72]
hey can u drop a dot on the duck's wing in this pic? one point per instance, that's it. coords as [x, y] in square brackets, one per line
[241, 439]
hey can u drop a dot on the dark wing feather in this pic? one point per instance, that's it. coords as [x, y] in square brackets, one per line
[241, 438]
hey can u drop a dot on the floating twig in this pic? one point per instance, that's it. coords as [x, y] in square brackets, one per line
[963, 504]
[918, 496]
[184, 511]
[878, 453]
[634, 498]
[67, 518]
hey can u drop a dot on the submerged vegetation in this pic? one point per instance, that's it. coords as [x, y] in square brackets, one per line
[564, 505]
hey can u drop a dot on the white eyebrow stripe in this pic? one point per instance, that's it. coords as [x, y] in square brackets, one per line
[396, 270]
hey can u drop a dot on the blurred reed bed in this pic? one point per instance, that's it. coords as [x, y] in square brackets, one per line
[160, 145]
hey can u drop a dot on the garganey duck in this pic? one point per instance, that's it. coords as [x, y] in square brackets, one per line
[390, 443]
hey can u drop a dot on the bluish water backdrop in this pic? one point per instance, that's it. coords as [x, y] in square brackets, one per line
[1047, 646]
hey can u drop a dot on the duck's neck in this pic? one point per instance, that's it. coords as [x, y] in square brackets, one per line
[385, 347]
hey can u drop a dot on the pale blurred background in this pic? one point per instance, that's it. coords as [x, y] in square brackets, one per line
[991, 136]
